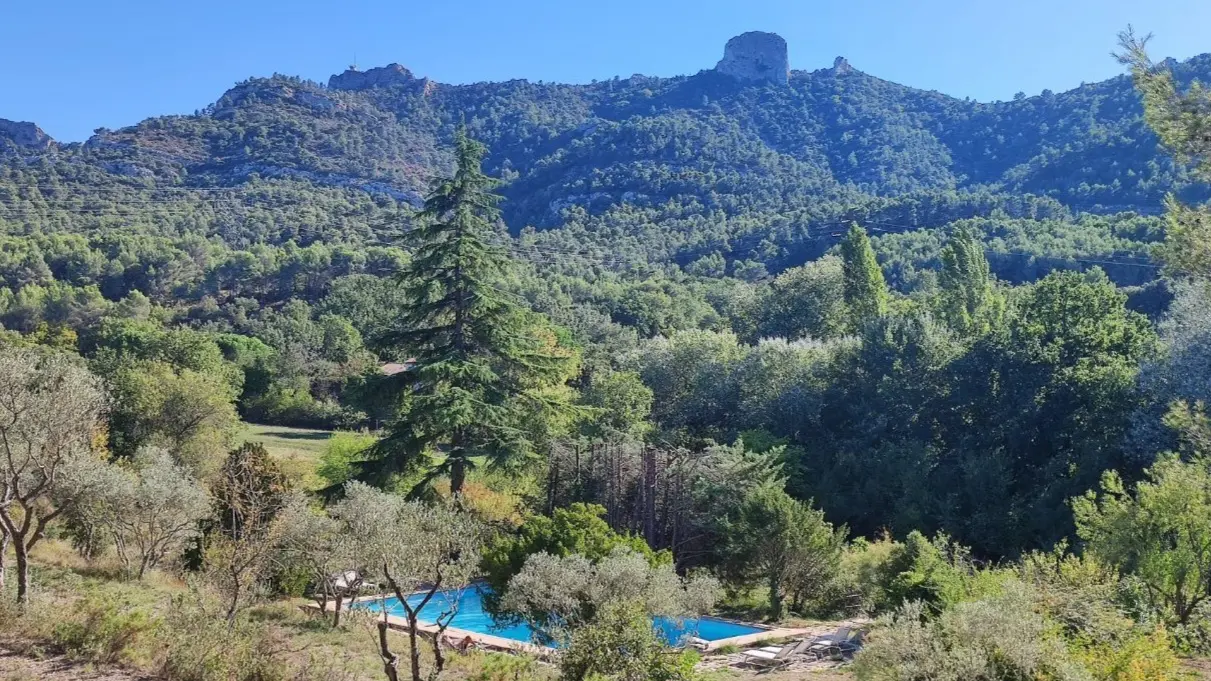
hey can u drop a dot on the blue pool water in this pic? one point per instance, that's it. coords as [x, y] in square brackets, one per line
[472, 617]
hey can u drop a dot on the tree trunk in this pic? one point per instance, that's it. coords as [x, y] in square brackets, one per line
[22, 572]
[775, 596]
[3, 557]
[458, 476]
[414, 649]
[390, 659]
[649, 495]
[439, 659]
[458, 464]
[336, 614]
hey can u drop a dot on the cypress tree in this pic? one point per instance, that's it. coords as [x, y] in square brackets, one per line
[483, 360]
[864, 289]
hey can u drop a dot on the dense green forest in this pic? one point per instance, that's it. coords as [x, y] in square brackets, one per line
[842, 344]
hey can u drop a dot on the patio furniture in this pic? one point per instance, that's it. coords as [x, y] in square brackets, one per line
[839, 649]
[822, 644]
[773, 659]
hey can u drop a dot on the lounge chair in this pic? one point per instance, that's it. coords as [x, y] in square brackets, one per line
[821, 645]
[766, 658]
[838, 648]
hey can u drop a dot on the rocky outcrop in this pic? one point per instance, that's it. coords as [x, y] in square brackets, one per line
[756, 57]
[24, 134]
[841, 66]
[382, 76]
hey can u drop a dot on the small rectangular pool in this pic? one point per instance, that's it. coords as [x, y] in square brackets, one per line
[472, 617]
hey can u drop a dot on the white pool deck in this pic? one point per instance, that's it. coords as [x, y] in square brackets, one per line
[543, 652]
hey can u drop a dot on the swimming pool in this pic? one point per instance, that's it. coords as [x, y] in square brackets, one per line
[472, 617]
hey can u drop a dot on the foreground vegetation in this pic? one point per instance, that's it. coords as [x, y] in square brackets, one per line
[1010, 477]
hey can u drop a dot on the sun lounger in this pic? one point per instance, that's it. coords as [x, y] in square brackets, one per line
[771, 659]
[836, 646]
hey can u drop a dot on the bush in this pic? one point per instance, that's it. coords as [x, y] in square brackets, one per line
[1195, 638]
[579, 529]
[295, 408]
[100, 630]
[622, 646]
[994, 639]
[341, 450]
[1142, 657]
[198, 646]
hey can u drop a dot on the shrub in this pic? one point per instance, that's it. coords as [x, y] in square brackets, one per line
[101, 630]
[294, 407]
[621, 645]
[993, 639]
[341, 450]
[1141, 657]
[198, 646]
[579, 529]
[1195, 638]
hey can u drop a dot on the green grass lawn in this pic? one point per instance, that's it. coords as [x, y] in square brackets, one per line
[297, 449]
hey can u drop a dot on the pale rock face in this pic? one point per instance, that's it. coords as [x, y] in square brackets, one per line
[756, 57]
[24, 134]
[382, 76]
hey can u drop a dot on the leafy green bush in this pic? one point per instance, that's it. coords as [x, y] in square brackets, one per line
[341, 450]
[1140, 657]
[578, 529]
[622, 646]
[1195, 638]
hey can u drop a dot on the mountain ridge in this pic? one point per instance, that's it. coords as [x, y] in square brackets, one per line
[678, 167]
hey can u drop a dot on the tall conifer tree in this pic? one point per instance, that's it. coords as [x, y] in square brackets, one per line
[1182, 121]
[484, 363]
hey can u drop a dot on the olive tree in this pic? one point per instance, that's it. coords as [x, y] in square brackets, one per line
[50, 408]
[557, 595]
[317, 543]
[413, 548]
[151, 511]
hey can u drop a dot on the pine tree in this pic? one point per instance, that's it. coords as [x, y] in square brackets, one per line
[1182, 121]
[864, 288]
[970, 302]
[485, 365]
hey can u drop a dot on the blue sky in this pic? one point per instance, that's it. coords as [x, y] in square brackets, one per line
[75, 65]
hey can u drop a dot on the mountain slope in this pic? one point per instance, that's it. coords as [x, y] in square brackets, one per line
[686, 165]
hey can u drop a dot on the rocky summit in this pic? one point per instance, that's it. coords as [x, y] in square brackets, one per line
[755, 57]
[382, 76]
[24, 134]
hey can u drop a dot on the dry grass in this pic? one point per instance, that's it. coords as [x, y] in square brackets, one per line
[308, 647]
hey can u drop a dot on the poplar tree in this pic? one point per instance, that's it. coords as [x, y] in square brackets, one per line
[864, 289]
[487, 369]
[970, 302]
